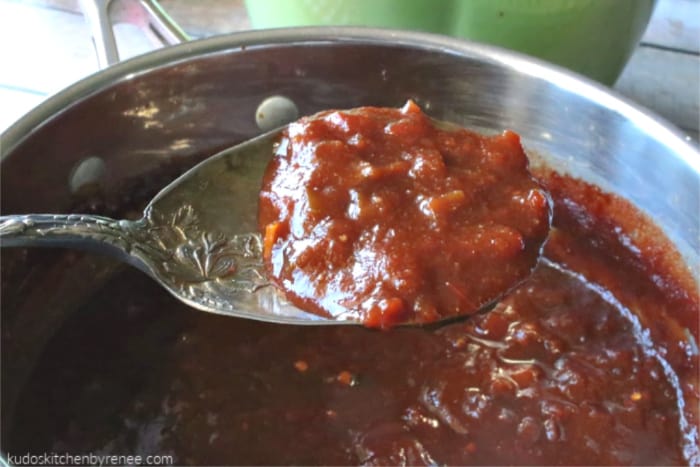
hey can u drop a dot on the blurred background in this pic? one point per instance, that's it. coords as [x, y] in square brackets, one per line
[47, 44]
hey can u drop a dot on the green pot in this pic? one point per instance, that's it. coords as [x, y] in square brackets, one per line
[592, 37]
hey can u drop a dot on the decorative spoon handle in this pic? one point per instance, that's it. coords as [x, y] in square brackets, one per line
[115, 237]
[202, 268]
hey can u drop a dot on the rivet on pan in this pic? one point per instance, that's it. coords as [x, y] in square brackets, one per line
[274, 112]
[87, 174]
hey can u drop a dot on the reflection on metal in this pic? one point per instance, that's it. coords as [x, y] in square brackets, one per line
[148, 113]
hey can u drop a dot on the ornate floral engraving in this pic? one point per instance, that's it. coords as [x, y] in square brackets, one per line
[206, 268]
[191, 257]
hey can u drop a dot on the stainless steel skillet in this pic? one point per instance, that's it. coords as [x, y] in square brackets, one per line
[186, 102]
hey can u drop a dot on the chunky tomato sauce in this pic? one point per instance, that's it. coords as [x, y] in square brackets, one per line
[591, 360]
[378, 216]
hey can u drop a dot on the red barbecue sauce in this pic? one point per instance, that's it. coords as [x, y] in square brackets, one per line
[592, 360]
[377, 215]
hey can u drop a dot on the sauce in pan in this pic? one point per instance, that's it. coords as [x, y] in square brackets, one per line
[591, 360]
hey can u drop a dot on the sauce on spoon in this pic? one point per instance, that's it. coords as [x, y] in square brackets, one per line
[381, 216]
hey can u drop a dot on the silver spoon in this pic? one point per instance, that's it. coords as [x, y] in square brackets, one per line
[197, 237]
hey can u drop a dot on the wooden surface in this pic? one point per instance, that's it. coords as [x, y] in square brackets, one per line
[46, 46]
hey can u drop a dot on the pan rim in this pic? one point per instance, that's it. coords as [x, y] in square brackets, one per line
[657, 127]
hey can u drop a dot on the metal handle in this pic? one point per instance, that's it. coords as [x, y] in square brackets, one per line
[95, 233]
[146, 14]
